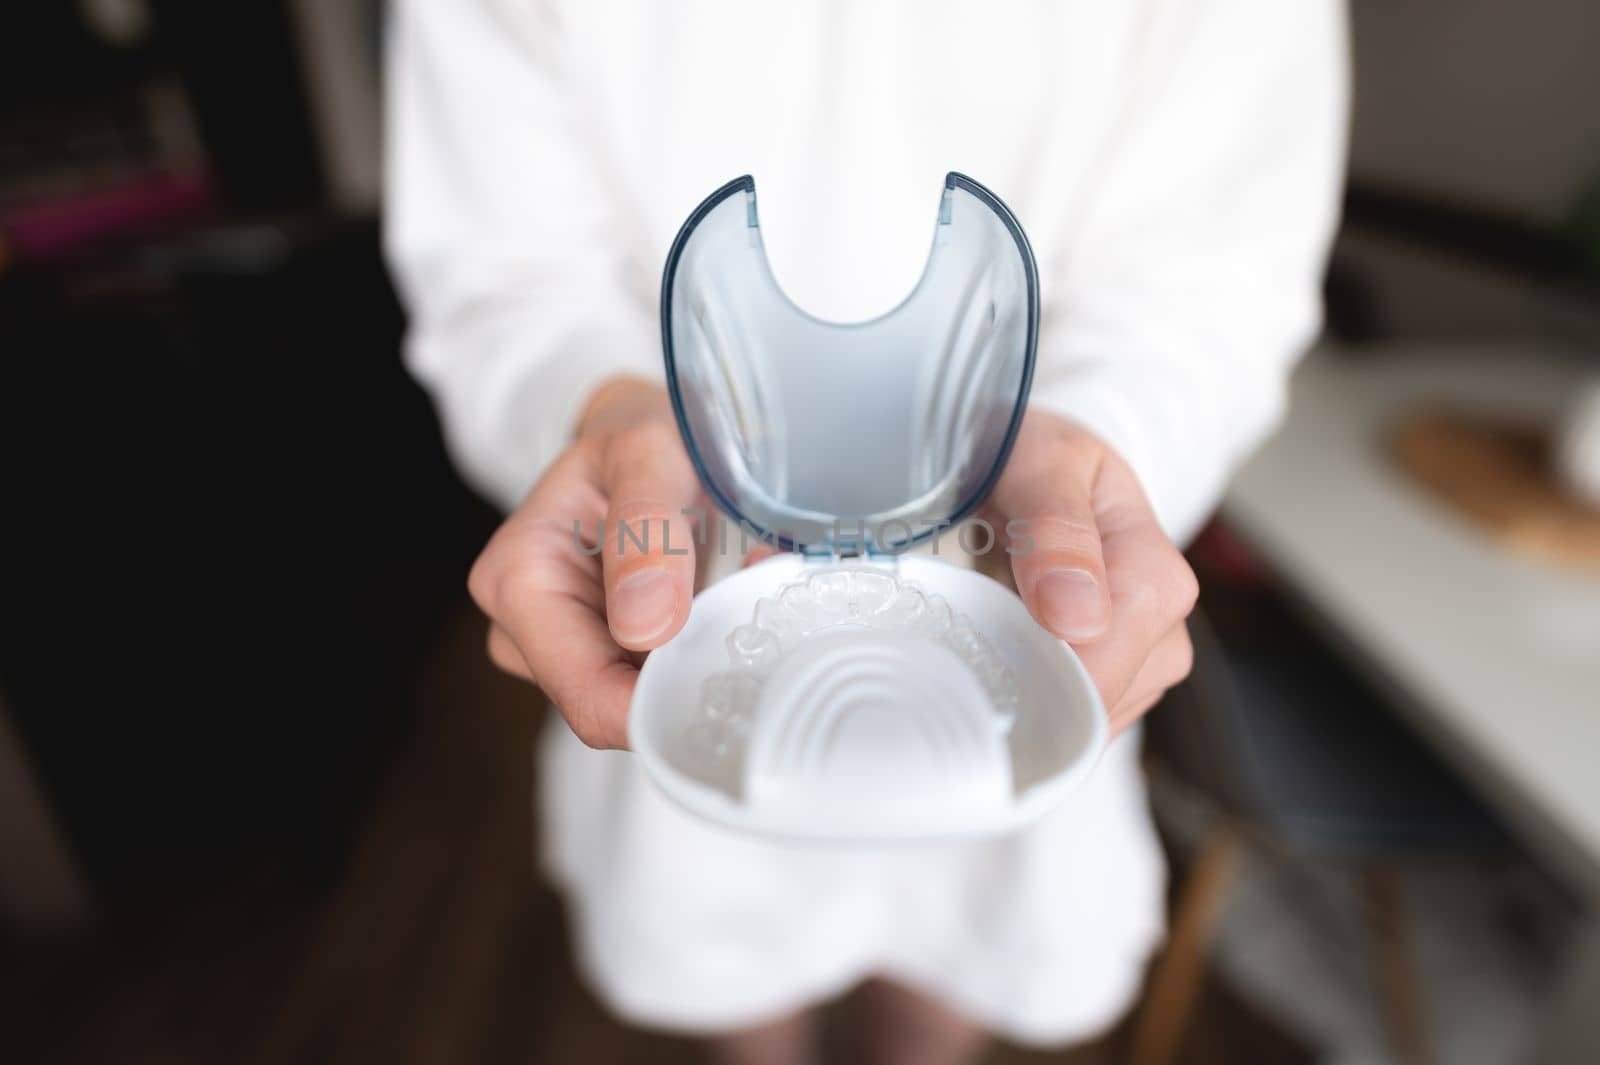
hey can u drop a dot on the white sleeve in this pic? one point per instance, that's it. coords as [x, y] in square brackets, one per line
[507, 239]
[1177, 300]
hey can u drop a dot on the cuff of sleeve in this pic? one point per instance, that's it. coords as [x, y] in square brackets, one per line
[507, 422]
[590, 357]
[1109, 404]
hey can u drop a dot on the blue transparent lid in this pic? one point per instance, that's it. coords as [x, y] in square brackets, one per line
[865, 436]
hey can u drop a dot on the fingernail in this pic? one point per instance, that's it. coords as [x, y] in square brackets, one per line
[643, 605]
[1069, 600]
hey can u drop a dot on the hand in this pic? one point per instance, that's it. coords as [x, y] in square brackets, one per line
[1100, 573]
[574, 623]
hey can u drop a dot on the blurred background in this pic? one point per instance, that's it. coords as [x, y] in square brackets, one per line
[262, 797]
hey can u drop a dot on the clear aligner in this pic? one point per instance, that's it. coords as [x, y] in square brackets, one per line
[834, 599]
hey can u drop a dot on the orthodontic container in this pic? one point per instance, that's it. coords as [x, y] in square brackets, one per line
[845, 689]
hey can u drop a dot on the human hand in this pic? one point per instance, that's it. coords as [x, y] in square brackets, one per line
[574, 623]
[1100, 573]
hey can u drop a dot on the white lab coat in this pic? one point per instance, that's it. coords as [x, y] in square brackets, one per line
[1176, 165]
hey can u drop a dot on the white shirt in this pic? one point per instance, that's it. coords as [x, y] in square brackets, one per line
[1176, 165]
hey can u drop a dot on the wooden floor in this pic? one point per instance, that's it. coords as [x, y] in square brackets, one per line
[439, 944]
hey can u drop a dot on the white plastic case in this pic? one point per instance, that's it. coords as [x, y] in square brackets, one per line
[891, 739]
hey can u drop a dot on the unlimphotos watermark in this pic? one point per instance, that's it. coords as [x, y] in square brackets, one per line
[892, 536]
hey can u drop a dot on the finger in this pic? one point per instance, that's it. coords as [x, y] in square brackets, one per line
[1167, 665]
[504, 653]
[542, 587]
[548, 611]
[1044, 498]
[1152, 587]
[648, 550]
[588, 678]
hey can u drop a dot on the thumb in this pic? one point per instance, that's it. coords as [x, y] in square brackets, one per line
[647, 549]
[1055, 546]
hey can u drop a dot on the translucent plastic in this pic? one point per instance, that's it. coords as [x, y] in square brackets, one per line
[821, 434]
[823, 639]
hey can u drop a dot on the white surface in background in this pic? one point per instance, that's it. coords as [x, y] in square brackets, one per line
[1497, 655]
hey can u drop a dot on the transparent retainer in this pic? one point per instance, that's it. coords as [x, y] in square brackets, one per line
[855, 681]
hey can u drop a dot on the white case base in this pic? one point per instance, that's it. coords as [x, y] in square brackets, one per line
[868, 732]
